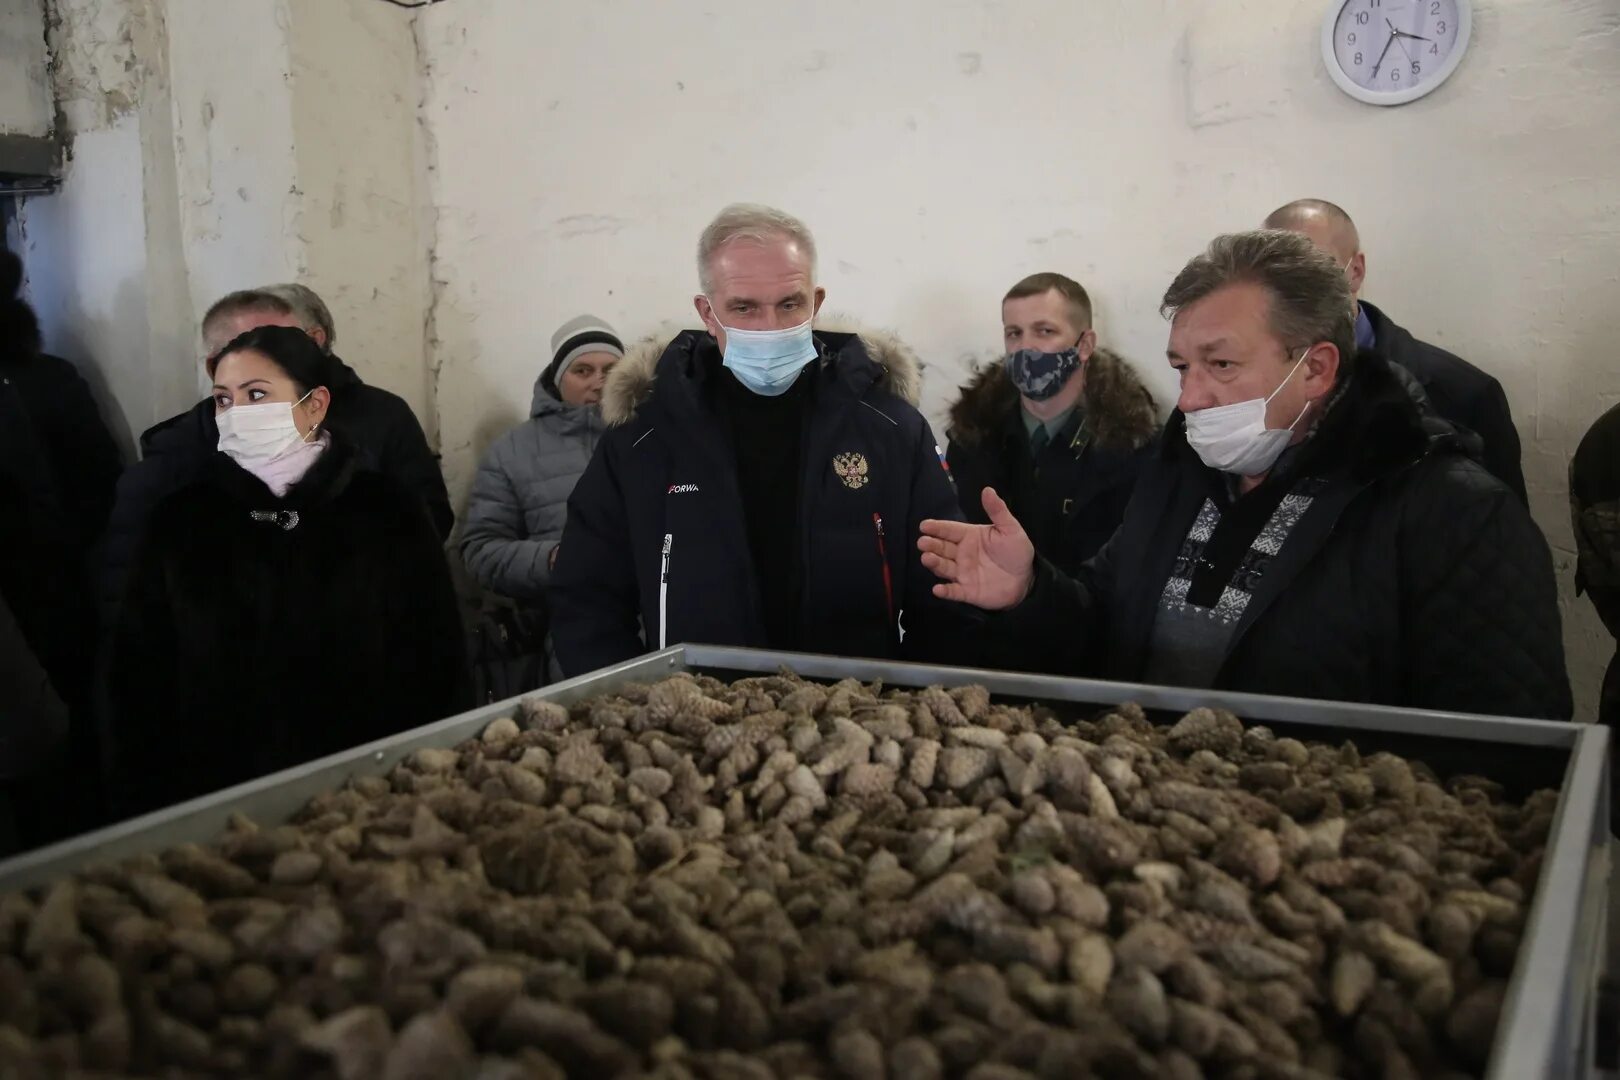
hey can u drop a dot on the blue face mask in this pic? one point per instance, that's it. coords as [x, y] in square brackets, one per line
[768, 361]
[1039, 375]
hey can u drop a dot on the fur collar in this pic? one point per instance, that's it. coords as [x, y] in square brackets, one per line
[631, 381]
[1372, 427]
[1118, 406]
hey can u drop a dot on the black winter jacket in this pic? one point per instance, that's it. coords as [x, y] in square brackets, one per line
[1415, 578]
[32, 716]
[381, 428]
[1073, 498]
[656, 536]
[1458, 392]
[58, 468]
[259, 632]
[42, 572]
[1594, 502]
[33, 721]
[44, 634]
[44, 579]
[81, 459]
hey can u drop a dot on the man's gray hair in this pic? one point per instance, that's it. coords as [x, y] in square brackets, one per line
[307, 307]
[750, 221]
[1310, 297]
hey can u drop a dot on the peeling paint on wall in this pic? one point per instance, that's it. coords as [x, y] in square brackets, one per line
[94, 67]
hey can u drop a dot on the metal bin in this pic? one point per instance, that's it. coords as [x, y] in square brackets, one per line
[1548, 1020]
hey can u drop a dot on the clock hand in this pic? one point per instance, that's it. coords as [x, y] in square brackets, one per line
[1381, 55]
[1398, 36]
[1403, 33]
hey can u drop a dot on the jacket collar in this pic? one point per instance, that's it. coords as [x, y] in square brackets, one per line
[1372, 429]
[1390, 339]
[1118, 407]
[328, 478]
[855, 358]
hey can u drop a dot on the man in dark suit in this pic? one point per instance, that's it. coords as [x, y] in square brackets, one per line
[1456, 390]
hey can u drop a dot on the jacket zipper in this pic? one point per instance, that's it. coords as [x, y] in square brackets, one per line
[888, 578]
[663, 594]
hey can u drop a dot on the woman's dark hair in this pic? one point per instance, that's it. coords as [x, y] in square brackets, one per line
[290, 349]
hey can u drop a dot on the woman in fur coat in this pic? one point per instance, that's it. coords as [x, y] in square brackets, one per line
[285, 606]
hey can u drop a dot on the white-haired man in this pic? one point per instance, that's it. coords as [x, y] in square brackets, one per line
[760, 482]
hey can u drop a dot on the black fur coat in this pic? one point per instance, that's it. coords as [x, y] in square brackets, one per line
[259, 633]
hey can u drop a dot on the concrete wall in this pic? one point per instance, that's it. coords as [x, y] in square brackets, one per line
[26, 105]
[85, 253]
[458, 193]
[215, 146]
[359, 163]
[85, 249]
[943, 150]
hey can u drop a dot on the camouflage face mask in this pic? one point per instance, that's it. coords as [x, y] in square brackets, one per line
[1039, 375]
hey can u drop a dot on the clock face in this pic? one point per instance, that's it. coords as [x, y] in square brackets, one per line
[1392, 51]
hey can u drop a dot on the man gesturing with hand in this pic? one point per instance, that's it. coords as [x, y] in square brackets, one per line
[989, 566]
[1301, 528]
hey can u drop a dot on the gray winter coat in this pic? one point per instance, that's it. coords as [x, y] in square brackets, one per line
[520, 496]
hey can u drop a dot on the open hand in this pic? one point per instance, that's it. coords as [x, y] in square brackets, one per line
[989, 566]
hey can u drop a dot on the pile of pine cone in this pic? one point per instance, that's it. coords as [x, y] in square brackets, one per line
[775, 878]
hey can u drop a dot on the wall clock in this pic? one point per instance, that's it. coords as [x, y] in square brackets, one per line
[1389, 52]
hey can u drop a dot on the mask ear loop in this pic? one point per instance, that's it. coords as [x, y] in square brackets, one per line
[314, 428]
[1284, 383]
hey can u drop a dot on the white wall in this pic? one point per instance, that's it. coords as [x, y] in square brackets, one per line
[233, 145]
[215, 146]
[942, 150]
[564, 157]
[84, 249]
[360, 166]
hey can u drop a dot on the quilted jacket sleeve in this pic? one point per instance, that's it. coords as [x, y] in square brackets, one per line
[1493, 421]
[1057, 627]
[494, 546]
[1480, 624]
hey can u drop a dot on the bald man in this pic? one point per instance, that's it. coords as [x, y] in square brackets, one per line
[1457, 391]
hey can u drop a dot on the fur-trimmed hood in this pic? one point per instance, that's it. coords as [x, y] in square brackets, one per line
[1117, 404]
[630, 383]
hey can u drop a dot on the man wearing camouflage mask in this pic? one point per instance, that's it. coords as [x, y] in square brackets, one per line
[1057, 424]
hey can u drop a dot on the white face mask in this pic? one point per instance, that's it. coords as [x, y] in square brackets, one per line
[767, 361]
[1234, 438]
[256, 435]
